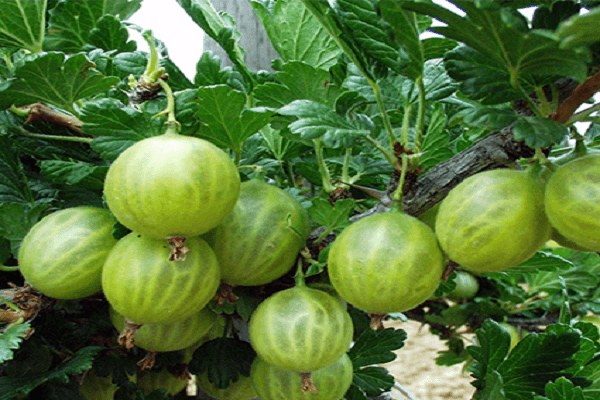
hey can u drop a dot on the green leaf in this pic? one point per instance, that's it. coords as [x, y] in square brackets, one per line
[563, 389]
[226, 121]
[317, 120]
[111, 34]
[361, 22]
[492, 118]
[435, 145]
[333, 217]
[493, 388]
[79, 362]
[493, 347]
[71, 23]
[376, 347]
[591, 372]
[135, 64]
[74, 173]
[14, 187]
[10, 339]
[16, 220]
[580, 30]
[539, 132]
[296, 34]
[518, 54]
[406, 32]
[225, 359]
[437, 47]
[298, 81]
[373, 380]
[116, 126]
[22, 24]
[549, 355]
[219, 27]
[51, 79]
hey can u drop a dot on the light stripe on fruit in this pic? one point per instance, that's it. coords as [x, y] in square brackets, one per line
[170, 337]
[259, 241]
[63, 254]
[172, 185]
[493, 220]
[142, 285]
[573, 201]
[273, 383]
[300, 329]
[386, 263]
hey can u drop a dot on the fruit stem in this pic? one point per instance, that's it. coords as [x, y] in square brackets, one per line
[8, 269]
[300, 282]
[398, 193]
[420, 116]
[173, 125]
[384, 116]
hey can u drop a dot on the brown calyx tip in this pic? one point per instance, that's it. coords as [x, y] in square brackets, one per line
[307, 383]
[178, 249]
[126, 338]
[377, 321]
[226, 294]
[148, 361]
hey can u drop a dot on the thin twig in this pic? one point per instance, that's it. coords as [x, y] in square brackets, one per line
[44, 113]
[405, 392]
[580, 95]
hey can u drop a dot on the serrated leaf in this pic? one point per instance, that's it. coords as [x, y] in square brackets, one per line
[79, 362]
[298, 81]
[360, 20]
[219, 27]
[376, 347]
[373, 380]
[550, 355]
[22, 24]
[51, 79]
[580, 30]
[435, 144]
[71, 22]
[208, 70]
[10, 339]
[334, 218]
[73, 173]
[226, 121]
[13, 182]
[406, 32]
[317, 120]
[493, 347]
[493, 388]
[16, 220]
[437, 47]
[563, 389]
[116, 127]
[539, 132]
[111, 34]
[514, 54]
[296, 34]
[492, 118]
[225, 359]
[592, 373]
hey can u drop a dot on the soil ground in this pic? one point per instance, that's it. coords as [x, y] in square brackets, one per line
[416, 371]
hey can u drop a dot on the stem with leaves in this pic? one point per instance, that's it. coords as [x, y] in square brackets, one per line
[389, 156]
[384, 116]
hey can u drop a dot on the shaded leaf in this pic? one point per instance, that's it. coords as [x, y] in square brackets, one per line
[79, 362]
[225, 359]
[73, 173]
[373, 380]
[22, 24]
[16, 220]
[72, 22]
[539, 132]
[563, 389]
[491, 118]
[51, 79]
[14, 187]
